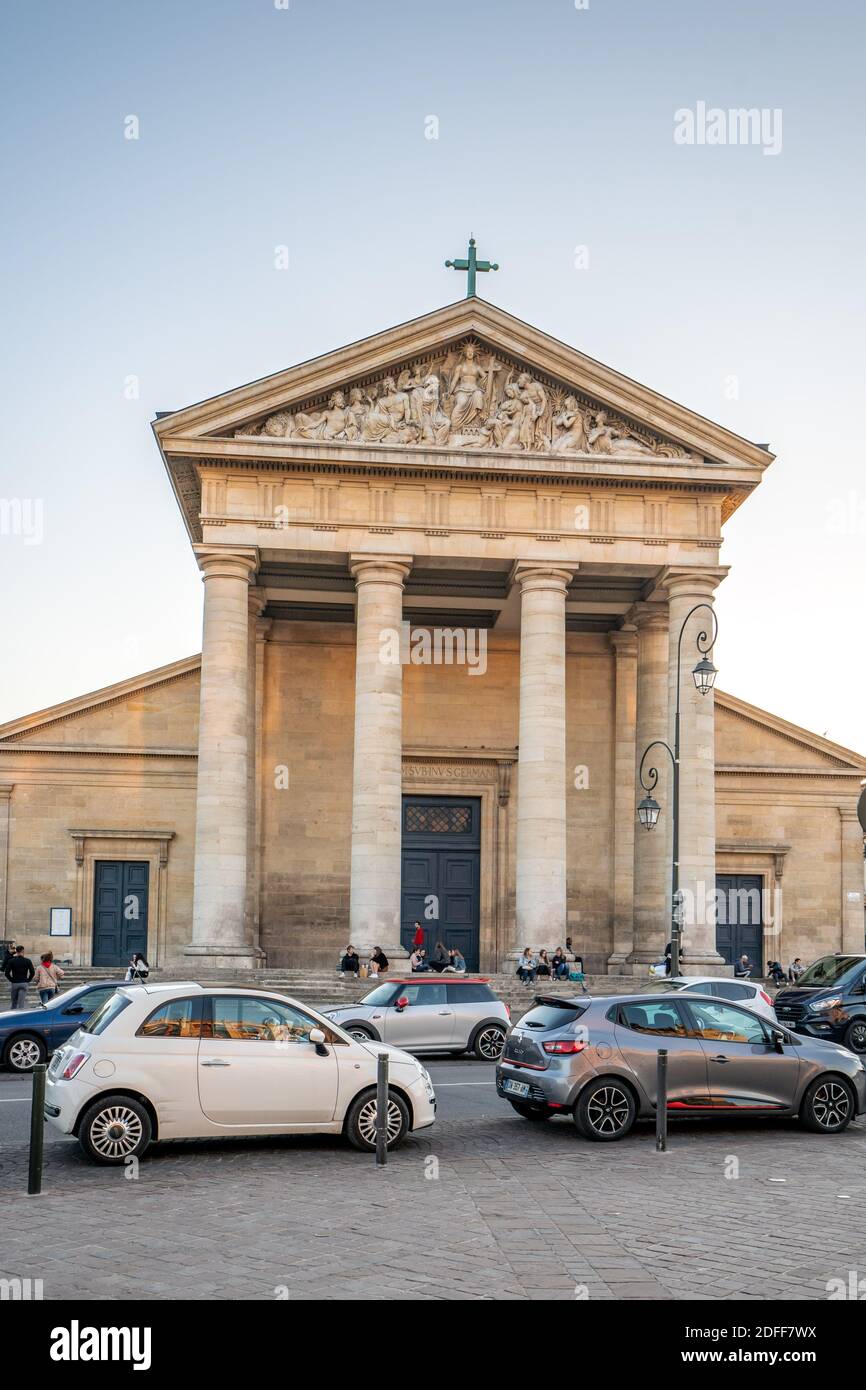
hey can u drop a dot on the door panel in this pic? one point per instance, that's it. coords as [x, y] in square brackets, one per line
[120, 904]
[739, 926]
[442, 871]
[641, 1030]
[258, 1067]
[428, 1021]
[744, 1070]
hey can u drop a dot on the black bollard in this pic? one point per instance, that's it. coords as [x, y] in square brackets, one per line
[37, 1131]
[382, 1110]
[662, 1101]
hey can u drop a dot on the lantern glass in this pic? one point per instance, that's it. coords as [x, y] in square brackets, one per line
[704, 675]
[648, 813]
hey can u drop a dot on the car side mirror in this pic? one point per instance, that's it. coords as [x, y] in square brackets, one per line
[779, 1040]
[317, 1037]
[74, 1009]
[402, 1003]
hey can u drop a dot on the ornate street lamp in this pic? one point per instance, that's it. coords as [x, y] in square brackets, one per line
[648, 811]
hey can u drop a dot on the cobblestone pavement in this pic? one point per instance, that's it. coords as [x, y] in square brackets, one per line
[517, 1211]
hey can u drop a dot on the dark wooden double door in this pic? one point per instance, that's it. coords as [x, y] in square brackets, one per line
[119, 910]
[441, 872]
[739, 918]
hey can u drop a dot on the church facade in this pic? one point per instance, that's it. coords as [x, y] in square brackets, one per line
[457, 577]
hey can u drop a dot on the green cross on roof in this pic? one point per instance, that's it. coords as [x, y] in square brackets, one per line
[471, 264]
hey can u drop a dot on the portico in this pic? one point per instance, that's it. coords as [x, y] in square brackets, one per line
[462, 475]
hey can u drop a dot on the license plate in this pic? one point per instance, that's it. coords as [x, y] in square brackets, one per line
[516, 1088]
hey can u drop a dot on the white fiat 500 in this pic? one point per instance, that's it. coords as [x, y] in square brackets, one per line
[184, 1062]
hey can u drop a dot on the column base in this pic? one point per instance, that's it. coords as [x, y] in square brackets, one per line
[221, 957]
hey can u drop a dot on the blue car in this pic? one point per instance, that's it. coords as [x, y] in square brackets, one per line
[28, 1036]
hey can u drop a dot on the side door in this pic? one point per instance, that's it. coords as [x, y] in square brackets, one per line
[66, 1018]
[643, 1026]
[427, 1021]
[744, 1070]
[258, 1069]
[165, 1059]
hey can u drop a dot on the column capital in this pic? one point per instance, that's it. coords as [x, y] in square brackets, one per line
[380, 569]
[649, 616]
[227, 562]
[540, 574]
[681, 581]
[624, 641]
[257, 601]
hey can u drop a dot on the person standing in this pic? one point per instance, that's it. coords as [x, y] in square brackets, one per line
[19, 972]
[418, 938]
[47, 978]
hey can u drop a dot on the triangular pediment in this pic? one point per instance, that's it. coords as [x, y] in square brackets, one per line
[752, 739]
[292, 404]
[466, 379]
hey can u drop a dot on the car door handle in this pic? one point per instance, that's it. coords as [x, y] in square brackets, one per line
[215, 1062]
[720, 1059]
[444, 1013]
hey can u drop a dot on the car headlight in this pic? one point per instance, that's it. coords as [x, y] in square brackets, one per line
[820, 1004]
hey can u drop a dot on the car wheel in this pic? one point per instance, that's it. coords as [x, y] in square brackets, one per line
[855, 1036]
[828, 1105]
[606, 1110]
[361, 1121]
[489, 1042]
[23, 1052]
[531, 1112]
[361, 1034]
[114, 1129]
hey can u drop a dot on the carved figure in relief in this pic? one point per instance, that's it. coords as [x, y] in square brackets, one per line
[503, 427]
[605, 438]
[434, 423]
[534, 398]
[570, 420]
[466, 390]
[356, 413]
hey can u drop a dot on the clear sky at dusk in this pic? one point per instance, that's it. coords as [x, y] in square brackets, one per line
[726, 277]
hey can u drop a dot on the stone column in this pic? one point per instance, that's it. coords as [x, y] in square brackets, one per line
[222, 793]
[6, 790]
[256, 603]
[541, 782]
[686, 589]
[652, 848]
[377, 787]
[851, 833]
[624, 643]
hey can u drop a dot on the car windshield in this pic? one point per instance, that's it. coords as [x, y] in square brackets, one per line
[828, 970]
[61, 1000]
[545, 1015]
[382, 994]
[113, 1005]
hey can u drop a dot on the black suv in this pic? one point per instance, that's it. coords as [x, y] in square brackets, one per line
[828, 1001]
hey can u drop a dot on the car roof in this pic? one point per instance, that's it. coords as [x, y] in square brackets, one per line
[586, 999]
[437, 979]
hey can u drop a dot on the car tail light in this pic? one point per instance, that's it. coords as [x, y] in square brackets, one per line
[74, 1065]
[567, 1045]
[508, 1012]
[766, 998]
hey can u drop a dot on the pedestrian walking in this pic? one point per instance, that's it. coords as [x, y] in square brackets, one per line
[47, 978]
[19, 972]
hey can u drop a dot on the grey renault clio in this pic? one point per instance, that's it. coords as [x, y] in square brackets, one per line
[595, 1059]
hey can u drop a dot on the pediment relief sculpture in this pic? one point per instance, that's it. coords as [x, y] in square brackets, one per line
[467, 398]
